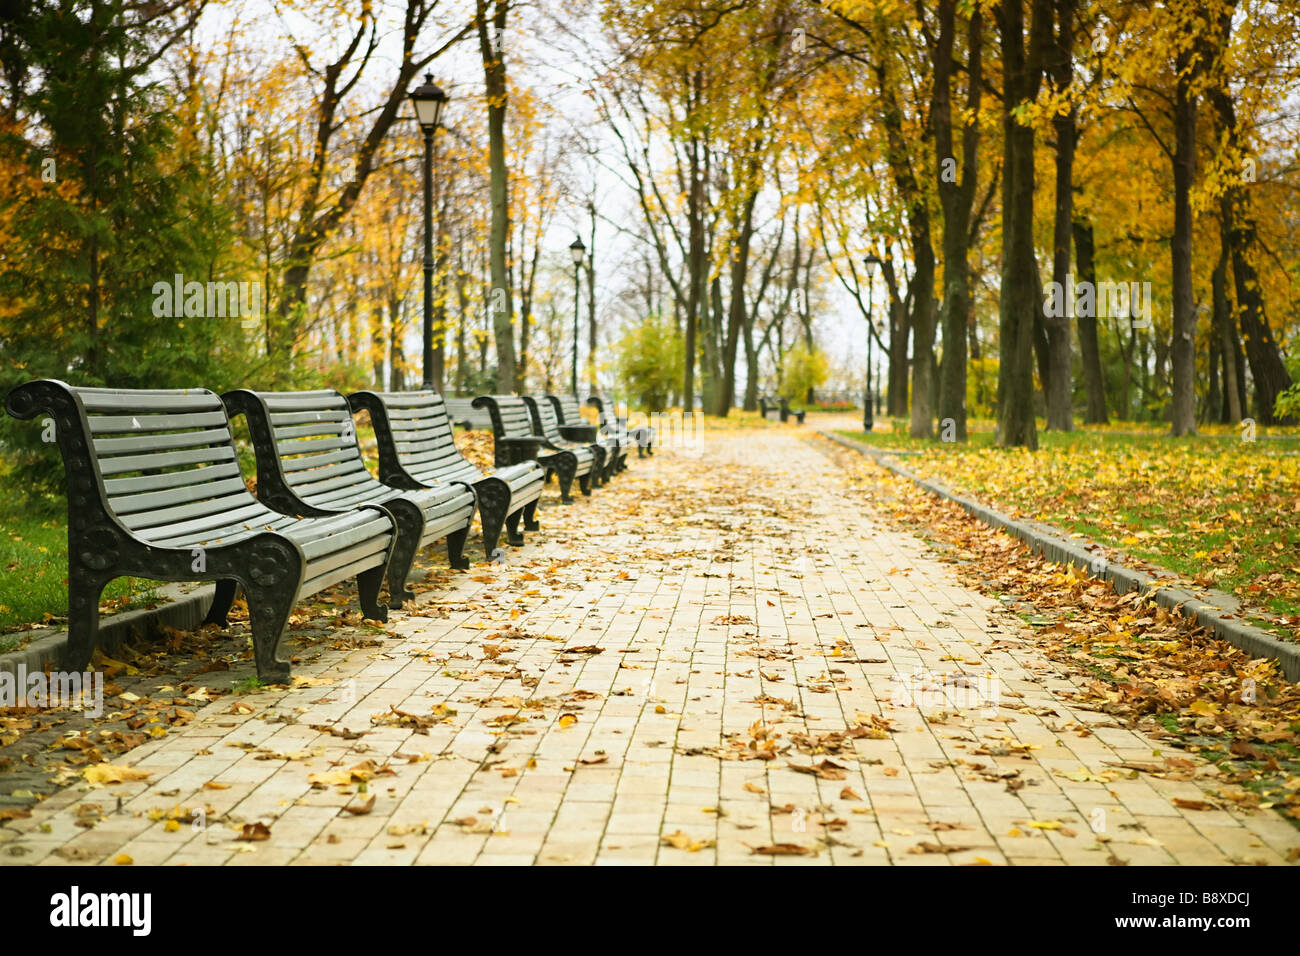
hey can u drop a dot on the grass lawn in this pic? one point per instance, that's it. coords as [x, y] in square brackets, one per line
[1218, 510]
[34, 569]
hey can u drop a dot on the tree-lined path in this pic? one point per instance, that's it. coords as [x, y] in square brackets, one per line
[732, 659]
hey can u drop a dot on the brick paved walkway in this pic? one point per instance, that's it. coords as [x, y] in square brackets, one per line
[779, 681]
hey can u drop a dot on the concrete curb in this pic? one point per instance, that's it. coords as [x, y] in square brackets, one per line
[185, 611]
[1211, 611]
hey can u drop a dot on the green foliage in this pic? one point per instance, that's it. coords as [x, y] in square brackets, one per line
[650, 362]
[127, 207]
[804, 369]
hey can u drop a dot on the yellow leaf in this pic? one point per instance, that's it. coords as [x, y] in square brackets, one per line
[105, 773]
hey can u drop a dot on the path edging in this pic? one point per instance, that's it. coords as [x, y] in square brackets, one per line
[1055, 547]
[185, 611]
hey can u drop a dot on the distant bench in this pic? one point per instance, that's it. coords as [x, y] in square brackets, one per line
[417, 449]
[464, 413]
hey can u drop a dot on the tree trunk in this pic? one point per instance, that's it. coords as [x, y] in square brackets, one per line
[1089, 347]
[499, 301]
[956, 200]
[1183, 348]
[1018, 302]
[900, 332]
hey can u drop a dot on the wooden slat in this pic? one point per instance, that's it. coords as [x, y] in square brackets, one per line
[144, 422]
[170, 459]
[310, 446]
[128, 401]
[170, 497]
[302, 401]
[317, 461]
[309, 431]
[172, 479]
[124, 446]
[240, 503]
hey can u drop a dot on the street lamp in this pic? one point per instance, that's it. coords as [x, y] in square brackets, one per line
[428, 100]
[871, 263]
[577, 250]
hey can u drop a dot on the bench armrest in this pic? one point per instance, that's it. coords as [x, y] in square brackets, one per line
[583, 433]
[514, 449]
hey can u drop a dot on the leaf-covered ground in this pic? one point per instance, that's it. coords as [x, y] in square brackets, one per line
[1219, 511]
[1152, 668]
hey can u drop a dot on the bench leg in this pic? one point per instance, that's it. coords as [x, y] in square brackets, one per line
[584, 482]
[368, 584]
[513, 535]
[530, 516]
[410, 529]
[222, 598]
[268, 613]
[566, 467]
[83, 619]
[493, 500]
[456, 548]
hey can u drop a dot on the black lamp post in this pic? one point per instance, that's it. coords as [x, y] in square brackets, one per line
[428, 100]
[871, 263]
[577, 250]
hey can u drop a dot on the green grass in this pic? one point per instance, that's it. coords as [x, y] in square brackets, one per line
[34, 566]
[1220, 511]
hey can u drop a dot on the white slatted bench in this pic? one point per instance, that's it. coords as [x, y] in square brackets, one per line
[515, 440]
[546, 423]
[417, 449]
[309, 463]
[576, 428]
[462, 412]
[612, 423]
[155, 491]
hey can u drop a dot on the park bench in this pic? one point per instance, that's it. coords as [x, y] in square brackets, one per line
[462, 412]
[155, 491]
[576, 428]
[546, 424]
[787, 411]
[417, 449]
[309, 463]
[611, 423]
[515, 441]
[769, 409]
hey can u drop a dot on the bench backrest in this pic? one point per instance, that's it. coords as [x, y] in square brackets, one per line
[306, 440]
[606, 410]
[422, 443]
[511, 417]
[545, 421]
[462, 412]
[158, 462]
[567, 409]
